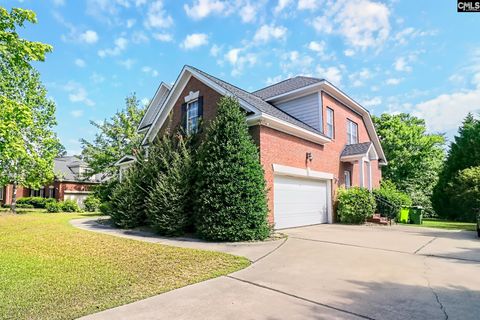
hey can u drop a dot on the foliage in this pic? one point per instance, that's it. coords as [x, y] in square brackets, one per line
[464, 153]
[70, 206]
[167, 203]
[28, 143]
[355, 205]
[393, 196]
[414, 157]
[230, 192]
[50, 270]
[464, 192]
[35, 202]
[91, 203]
[54, 206]
[116, 138]
[127, 204]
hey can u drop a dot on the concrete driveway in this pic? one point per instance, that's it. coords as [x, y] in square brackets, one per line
[337, 272]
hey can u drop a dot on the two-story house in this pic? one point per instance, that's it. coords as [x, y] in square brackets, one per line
[312, 138]
[73, 181]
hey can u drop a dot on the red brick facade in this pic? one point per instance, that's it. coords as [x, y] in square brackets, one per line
[277, 147]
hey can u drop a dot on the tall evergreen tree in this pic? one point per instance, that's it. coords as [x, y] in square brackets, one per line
[464, 153]
[230, 191]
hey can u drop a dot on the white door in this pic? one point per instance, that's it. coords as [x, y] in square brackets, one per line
[299, 202]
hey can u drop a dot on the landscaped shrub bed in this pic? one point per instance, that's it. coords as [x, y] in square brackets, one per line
[215, 188]
[390, 200]
[355, 205]
[33, 202]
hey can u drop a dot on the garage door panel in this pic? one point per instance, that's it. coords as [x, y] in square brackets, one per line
[299, 201]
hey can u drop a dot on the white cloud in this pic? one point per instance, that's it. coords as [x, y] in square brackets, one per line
[215, 50]
[273, 80]
[76, 113]
[294, 63]
[127, 63]
[80, 63]
[248, 12]
[401, 64]
[358, 78]
[145, 101]
[120, 45]
[363, 23]
[89, 37]
[267, 32]
[239, 59]
[139, 37]
[308, 4]
[373, 102]
[59, 3]
[97, 78]
[131, 23]
[318, 47]
[349, 53]
[150, 71]
[332, 74]
[446, 112]
[203, 8]
[282, 4]
[157, 17]
[77, 93]
[163, 37]
[403, 36]
[393, 81]
[194, 40]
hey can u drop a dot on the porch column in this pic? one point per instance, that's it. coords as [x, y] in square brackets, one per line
[361, 166]
[369, 175]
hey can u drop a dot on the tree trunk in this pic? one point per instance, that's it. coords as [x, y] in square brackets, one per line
[13, 206]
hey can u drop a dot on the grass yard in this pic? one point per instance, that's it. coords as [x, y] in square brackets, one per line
[51, 270]
[443, 224]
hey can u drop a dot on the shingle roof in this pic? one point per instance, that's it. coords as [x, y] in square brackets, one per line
[285, 86]
[63, 169]
[257, 102]
[356, 149]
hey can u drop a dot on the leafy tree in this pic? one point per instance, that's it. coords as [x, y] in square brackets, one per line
[116, 138]
[414, 157]
[27, 143]
[464, 191]
[464, 153]
[168, 209]
[230, 192]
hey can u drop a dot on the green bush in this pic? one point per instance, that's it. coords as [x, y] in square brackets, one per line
[355, 205]
[464, 190]
[167, 203]
[396, 198]
[70, 206]
[35, 202]
[53, 206]
[127, 205]
[105, 208]
[91, 204]
[230, 191]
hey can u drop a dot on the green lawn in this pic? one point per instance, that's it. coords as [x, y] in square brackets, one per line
[50, 270]
[443, 224]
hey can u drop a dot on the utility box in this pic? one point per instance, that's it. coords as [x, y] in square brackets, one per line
[416, 215]
[403, 215]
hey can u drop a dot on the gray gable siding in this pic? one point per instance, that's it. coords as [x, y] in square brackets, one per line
[305, 109]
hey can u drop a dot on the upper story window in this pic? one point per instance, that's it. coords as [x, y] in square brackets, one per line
[192, 117]
[330, 125]
[352, 132]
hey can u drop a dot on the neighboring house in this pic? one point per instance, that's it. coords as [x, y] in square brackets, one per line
[312, 138]
[72, 181]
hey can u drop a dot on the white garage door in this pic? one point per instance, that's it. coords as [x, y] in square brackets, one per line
[299, 202]
[78, 197]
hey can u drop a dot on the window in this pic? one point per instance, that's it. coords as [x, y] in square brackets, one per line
[352, 132]
[330, 125]
[1, 193]
[51, 192]
[192, 117]
[348, 179]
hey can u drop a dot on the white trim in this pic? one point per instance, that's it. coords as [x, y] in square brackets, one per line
[286, 127]
[192, 96]
[121, 162]
[320, 110]
[369, 175]
[329, 88]
[360, 171]
[76, 192]
[299, 172]
[166, 90]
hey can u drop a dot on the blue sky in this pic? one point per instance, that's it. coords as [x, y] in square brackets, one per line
[391, 56]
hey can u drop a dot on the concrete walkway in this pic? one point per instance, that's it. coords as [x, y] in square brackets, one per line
[336, 272]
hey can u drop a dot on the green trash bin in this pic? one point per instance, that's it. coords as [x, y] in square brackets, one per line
[403, 215]
[416, 215]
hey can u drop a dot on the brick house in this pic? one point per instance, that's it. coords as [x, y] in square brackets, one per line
[312, 138]
[72, 181]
